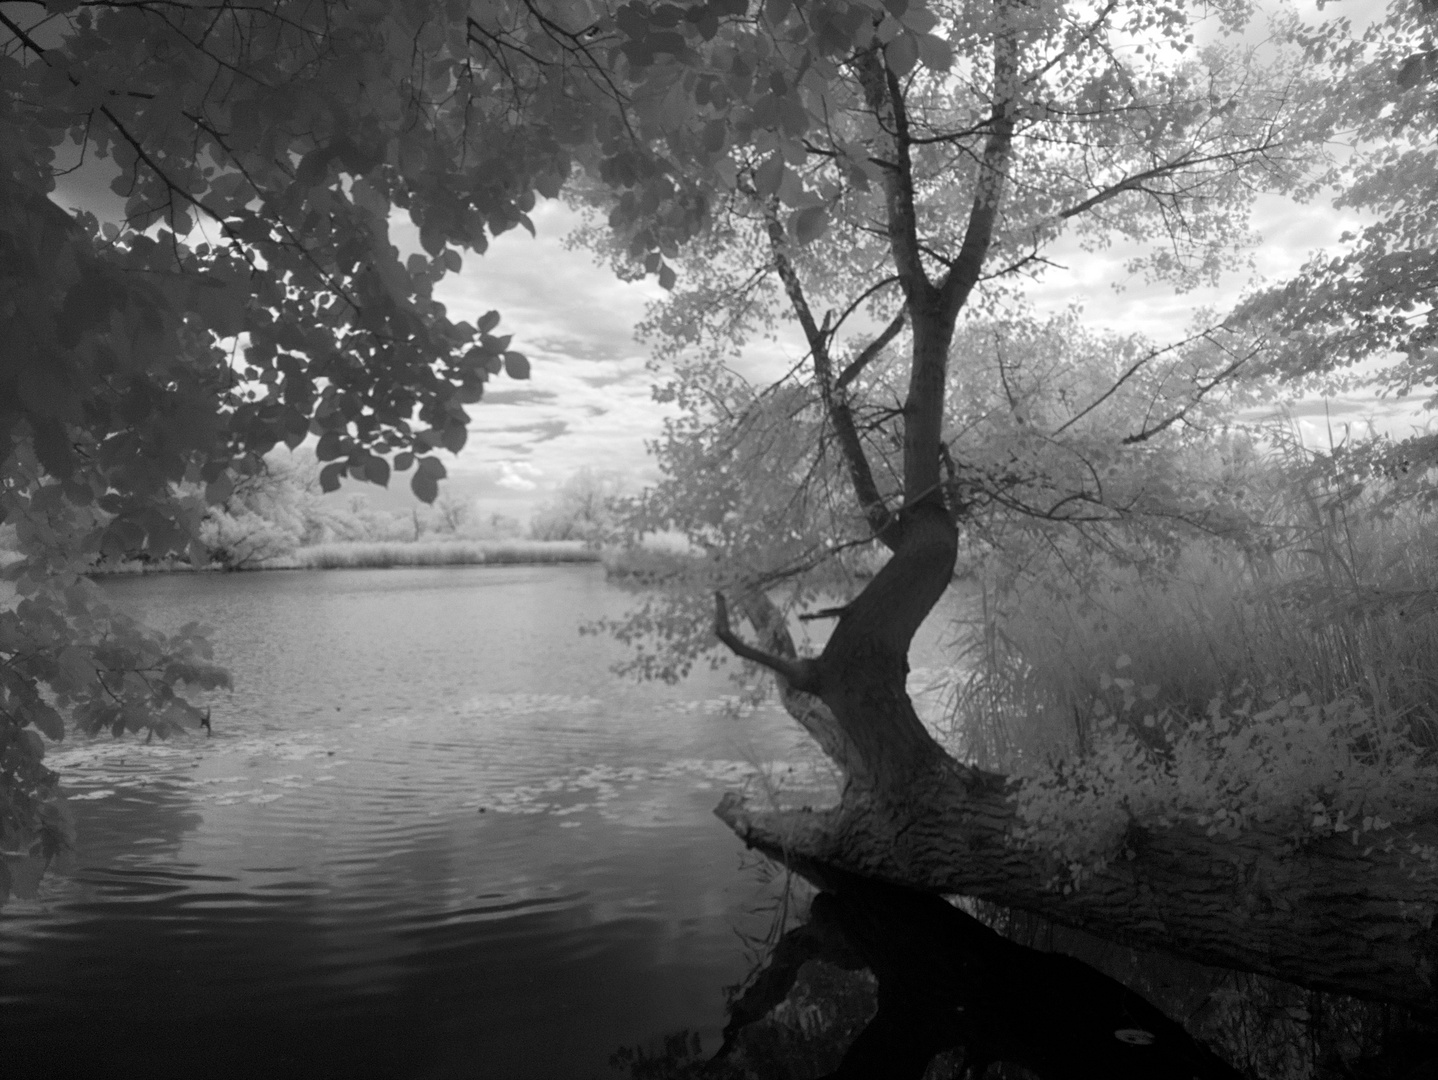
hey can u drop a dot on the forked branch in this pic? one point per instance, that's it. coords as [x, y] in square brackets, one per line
[800, 674]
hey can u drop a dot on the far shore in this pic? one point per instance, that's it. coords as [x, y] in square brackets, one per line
[385, 554]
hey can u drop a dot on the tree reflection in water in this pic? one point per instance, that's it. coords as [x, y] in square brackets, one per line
[885, 982]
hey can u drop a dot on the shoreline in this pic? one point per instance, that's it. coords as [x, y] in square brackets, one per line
[385, 555]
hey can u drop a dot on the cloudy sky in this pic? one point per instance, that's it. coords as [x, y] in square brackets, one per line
[588, 400]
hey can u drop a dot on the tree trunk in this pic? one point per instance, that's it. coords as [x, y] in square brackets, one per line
[1326, 915]
[946, 982]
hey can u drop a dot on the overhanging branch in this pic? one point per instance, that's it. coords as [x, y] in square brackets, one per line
[800, 674]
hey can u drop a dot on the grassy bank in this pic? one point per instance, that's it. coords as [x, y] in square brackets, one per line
[382, 553]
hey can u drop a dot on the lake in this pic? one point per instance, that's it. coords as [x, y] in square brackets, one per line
[432, 836]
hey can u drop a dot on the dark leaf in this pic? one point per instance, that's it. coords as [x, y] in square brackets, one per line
[219, 489]
[330, 446]
[376, 471]
[809, 224]
[454, 438]
[769, 175]
[424, 486]
[331, 475]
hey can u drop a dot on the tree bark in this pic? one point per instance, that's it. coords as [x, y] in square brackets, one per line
[946, 981]
[1325, 915]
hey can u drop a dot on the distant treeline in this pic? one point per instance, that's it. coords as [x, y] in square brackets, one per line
[277, 518]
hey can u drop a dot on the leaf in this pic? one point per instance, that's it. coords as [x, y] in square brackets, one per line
[667, 277]
[367, 197]
[935, 53]
[331, 475]
[221, 305]
[809, 224]
[376, 470]
[488, 321]
[330, 446]
[454, 438]
[219, 489]
[50, 722]
[424, 486]
[769, 175]
[902, 54]
[403, 461]
[52, 447]
[516, 365]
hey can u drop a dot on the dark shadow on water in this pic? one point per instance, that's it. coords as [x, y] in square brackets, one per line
[886, 983]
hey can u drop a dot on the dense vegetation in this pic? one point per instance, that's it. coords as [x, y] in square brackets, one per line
[884, 178]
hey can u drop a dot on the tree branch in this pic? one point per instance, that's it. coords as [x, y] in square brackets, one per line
[1149, 432]
[885, 98]
[1168, 168]
[836, 406]
[989, 185]
[800, 674]
[851, 372]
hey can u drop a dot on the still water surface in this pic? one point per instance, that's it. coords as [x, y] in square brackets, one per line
[432, 836]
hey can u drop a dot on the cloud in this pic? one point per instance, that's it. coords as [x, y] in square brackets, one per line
[518, 476]
[588, 401]
[517, 397]
[1287, 235]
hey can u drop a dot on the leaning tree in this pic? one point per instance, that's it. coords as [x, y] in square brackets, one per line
[845, 162]
[870, 173]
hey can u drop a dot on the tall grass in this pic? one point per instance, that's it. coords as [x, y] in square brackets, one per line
[383, 553]
[1335, 595]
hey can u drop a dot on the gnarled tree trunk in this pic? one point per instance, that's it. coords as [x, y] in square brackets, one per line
[1327, 915]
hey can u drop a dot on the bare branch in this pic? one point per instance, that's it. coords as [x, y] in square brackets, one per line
[968, 266]
[1117, 383]
[851, 372]
[1169, 421]
[836, 407]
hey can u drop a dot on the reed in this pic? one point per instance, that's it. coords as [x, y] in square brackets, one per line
[1340, 601]
[380, 554]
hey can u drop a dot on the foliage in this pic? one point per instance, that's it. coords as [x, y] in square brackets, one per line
[1377, 91]
[353, 554]
[1280, 677]
[245, 293]
[896, 173]
[584, 508]
[1300, 768]
[266, 515]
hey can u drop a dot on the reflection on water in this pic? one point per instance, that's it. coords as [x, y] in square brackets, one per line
[431, 836]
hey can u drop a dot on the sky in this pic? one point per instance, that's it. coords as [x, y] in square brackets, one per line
[588, 401]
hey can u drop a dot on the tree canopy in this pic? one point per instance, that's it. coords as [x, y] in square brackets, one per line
[249, 296]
